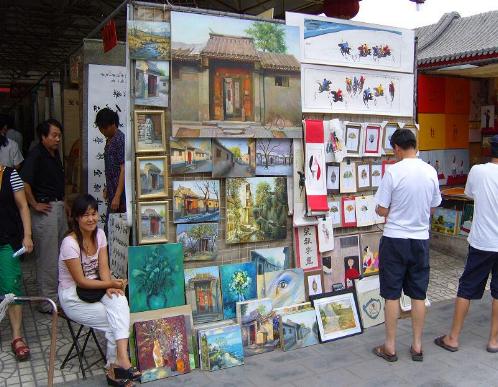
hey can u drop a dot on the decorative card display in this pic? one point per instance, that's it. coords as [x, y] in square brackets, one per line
[196, 201]
[337, 271]
[152, 222]
[190, 155]
[369, 244]
[148, 290]
[284, 287]
[376, 174]
[337, 315]
[150, 132]
[307, 255]
[348, 211]
[203, 293]
[363, 176]
[221, 347]
[198, 240]
[313, 282]
[299, 216]
[271, 259]
[314, 167]
[365, 212]
[361, 91]
[350, 43]
[238, 283]
[162, 348]
[274, 157]
[152, 177]
[151, 83]
[298, 330]
[348, 177]
[234, 157]
[370, 303]
[325, 234]
[333, 177]
[372, 145]
[353, 140]
[254, 87]
[389, 130]
[149, 40]
[256, 321]
[118, 241]
[256, 209]
[335, 212]
[334, 140]
[445, 221]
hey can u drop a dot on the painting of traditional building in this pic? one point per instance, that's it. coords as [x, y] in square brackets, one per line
[298, 330]
[233, 157]
[271, 259]
[153, 222]
[202, 291]
[274, 157]
[230, 79]
[196, 201]
[198, 240]
[256, 209]
[151, 83]
[190, 155]
[151, 174]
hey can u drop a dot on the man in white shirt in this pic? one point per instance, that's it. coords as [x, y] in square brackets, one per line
[482, 186]
[408, 192]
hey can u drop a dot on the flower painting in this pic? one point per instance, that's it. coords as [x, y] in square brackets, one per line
[238, 283]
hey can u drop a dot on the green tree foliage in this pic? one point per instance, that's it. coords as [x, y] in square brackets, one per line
[235, 151]
[270, 210]
[268, 37]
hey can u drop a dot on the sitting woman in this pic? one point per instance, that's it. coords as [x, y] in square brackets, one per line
[84, 273]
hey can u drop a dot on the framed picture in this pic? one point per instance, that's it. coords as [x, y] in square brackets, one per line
[333, 177]
[348, 177]
[348, 211]
[335, 212]
[372, 140]
[150, 131]
[412, 128]
[313, 283]
[353, 139]
[375, 174]
[363, 177]
[152, 178]
[152, 222]
[337, 315]
[151, 83]
[386, 164]
[389, 130]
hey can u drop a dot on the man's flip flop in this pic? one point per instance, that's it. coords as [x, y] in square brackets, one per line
[416, 356]
[492, 350]
[439, 341]
[380, 351]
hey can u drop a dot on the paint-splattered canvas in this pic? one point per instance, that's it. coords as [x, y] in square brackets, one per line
[284, 288]
[274, 157]
[203, 293]
[298, 330]
[196, 201]
[221, 348]
[337, 271]
[238, 283]
[190, 155]
[198, 240]
[155, 275]
[271, 259]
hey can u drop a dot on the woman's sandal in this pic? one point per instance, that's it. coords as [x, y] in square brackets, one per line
[119, 382]
[131, 373]
[20, 351]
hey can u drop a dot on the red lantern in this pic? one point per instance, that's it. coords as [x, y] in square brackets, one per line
[342, 9]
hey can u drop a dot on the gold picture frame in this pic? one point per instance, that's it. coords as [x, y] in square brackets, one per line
[388, 131]
[149, 128]
[152, 177]
[152, 222]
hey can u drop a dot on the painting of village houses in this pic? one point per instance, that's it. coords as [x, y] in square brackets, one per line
[274, 157]
[190, 155]
[298, 330]
[196, 201]
[271, 259]
[149, 40]
[233, 157]
[203, 293]
[256, 320]
[256, 209]
[151, 83]
[153, 223]
[221, 348]
[198, 240]
[152, 175]
[234, 77]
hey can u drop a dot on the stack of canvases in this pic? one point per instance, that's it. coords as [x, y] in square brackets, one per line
[355, 69]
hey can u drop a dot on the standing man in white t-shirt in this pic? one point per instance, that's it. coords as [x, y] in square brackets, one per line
[482, 186]
[406, 196]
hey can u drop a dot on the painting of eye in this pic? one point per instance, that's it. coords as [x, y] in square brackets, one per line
[285, 287]
[282, 284]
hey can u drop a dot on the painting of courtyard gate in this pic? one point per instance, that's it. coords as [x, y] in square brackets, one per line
[196, 201]
[256, 209]
[233, 77]
[198, 240]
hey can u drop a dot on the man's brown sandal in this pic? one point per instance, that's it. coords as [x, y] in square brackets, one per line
[380, 351]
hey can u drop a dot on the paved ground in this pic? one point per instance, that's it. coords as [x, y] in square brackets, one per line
[347, 362]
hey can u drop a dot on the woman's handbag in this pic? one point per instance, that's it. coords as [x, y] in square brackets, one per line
[89, 295]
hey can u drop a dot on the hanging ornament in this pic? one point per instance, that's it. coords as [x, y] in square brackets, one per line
[342, 9]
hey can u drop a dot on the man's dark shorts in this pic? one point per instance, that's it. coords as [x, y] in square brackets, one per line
[477, 268]
[403, 264]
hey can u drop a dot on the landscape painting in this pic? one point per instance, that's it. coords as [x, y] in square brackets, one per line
[203, 293]
[151, 83]
[445, 221]
[190, 155]
[298, 330]
[162, 348]
[196, 201]
[271, 259]
[249, 84]
[149, 40]
[284, 287]
[155, 274]
[152, 222]
[221, 348]
[274, 157]
[256, 209]
[238, 283]
[198, 240]
[234, 157]
[256, 321]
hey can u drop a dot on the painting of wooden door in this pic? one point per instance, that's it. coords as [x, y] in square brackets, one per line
[154, 226]
[152, 86]
[231, 99]
[189, 158]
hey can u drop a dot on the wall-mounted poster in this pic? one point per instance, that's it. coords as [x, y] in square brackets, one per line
[152, 222]
[150, 132]
[152, 177]
[365, 211]
[118, 242]
[362, 91]
[234, 78]
[149, 40]
[196, 201]
[333, 177]
[190, 155]
[325, 234]
[274, 157]
[151, 83]
[198, 240]
[313, 282]
[353, 44]
[348, 211]
[234, 157]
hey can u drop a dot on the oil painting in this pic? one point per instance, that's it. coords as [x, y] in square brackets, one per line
[238, 283]
[334, 267]
[256, 209]
[149, 131]
[234, 157]
[152, 222]
[152, 177]
[445, 221]
[198, 240]
[284, 287]
[155, 274]
[370, 303]
[271, 259]
[274, 157]
[221, 347]
[196, 201]
[149, 40]
[162, 348]
[152, 83]
[369, 243]
[256, 321]
[203, 293]
[190, 155]
[249, 84]
[298, 330]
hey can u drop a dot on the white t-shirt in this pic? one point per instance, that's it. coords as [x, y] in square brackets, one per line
[409, 188]
[482, 186]
[10, 155]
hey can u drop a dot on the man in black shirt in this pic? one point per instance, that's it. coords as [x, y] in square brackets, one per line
[43, 176]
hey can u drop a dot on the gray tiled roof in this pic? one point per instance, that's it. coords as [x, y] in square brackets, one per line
[456, 37]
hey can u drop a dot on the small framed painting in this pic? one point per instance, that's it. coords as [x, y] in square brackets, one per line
[386, 164]
[335, 212]
[152, 179]
[353, 139]
[363, 177]
[348, 177]
[333, 177]
[412, 128]
[348, 211]
[152, 222]
[372, 140]
[337, 315]
[313, 283]
[375, 174]
[150, 131]
[389, 130]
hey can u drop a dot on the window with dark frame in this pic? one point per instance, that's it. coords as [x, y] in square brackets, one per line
[282, 80]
